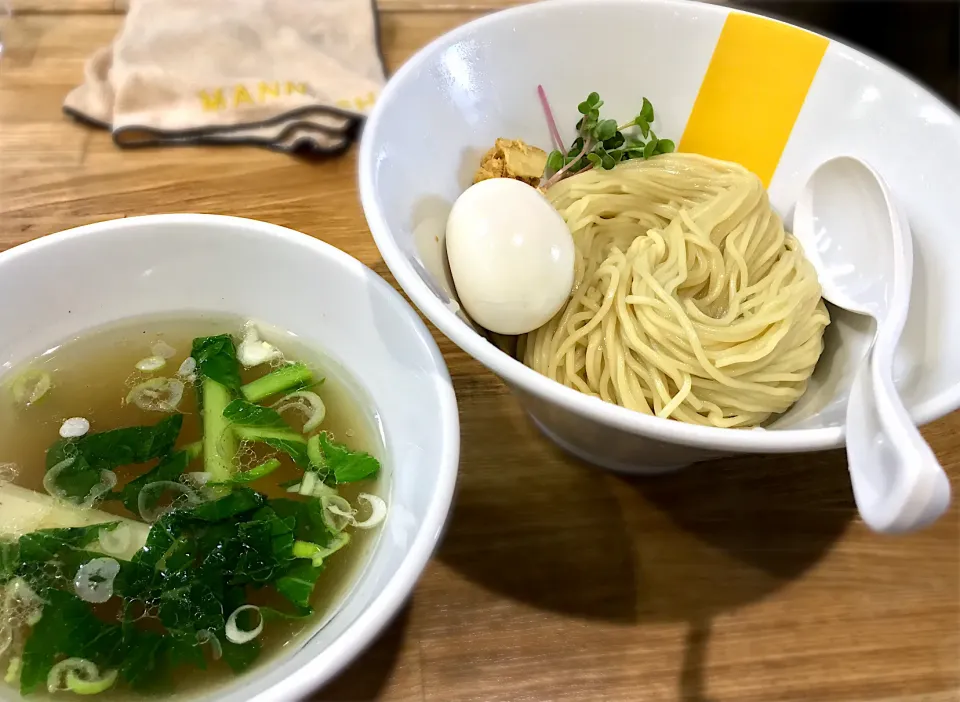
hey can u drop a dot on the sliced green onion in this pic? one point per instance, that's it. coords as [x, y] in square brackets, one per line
[288, 377]
[157, 395]
[162, 349]
[262, 470]
[151, 364]
[253, 351]
[321, 489]
[308, 483]
[188, 369]
[317, 553]
[115, 539]
[208, 636]
[20, 605]
[337, 513]
[30, 386]
[79, 686]
[108, 480]
[304, 549]
[233, 631]
[94, 580]
[74, 427]
[13, 671]
[18, 591]
[336, 543]
[50, 479]
[378, 511]
[78, 675]
[151, 493]
[307, 402]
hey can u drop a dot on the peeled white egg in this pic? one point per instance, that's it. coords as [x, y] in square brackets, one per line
[511, 256]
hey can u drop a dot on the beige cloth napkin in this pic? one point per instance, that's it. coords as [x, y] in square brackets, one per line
[280, 73]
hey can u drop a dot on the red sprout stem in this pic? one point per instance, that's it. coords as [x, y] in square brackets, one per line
[551, 122]
[556, 177]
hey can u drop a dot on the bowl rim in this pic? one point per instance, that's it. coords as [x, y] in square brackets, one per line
[386, 604]
[516, 373]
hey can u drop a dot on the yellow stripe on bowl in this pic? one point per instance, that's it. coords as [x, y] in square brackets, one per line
[752, 92]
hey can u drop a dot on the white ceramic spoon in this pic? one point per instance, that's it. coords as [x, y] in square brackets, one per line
[862, 249]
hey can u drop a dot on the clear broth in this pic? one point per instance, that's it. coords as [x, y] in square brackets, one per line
[91, 377]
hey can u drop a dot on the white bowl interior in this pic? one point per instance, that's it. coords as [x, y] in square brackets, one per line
[450, 102]
[60, 286]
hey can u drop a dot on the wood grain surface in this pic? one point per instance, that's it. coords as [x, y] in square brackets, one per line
[747, 580]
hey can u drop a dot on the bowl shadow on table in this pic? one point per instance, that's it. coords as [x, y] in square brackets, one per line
[753, 524]
[368, 675]
[558, 534]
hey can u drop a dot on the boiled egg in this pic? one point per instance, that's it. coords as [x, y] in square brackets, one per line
[511, 256]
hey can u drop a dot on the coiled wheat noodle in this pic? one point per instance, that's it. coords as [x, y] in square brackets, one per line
[690, 300]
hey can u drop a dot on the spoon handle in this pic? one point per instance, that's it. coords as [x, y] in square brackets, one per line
[898, 483]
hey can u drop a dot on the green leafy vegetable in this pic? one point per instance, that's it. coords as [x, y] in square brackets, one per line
[260, 471]
[112, 449]
[238, 502]
[247, 414]
[109, 450]
[147, 662]
[295, 448]
[293, 376]
[251, 422]
[193, 571]
[267, 545]
[170, 468]
[298, 582]
[601, 143]
[308, 517]
[666, 146]
[191, 607]
[216, 358]
[347, 466]
[47, 544]
[68, 629]
[199, 562]
[240, 656]
[50, 558]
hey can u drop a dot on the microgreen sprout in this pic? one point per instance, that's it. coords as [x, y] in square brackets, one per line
[601, 143]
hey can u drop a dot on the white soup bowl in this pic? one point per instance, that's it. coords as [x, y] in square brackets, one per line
[63, 285]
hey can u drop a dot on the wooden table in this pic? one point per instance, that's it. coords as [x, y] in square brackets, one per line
[747, 580]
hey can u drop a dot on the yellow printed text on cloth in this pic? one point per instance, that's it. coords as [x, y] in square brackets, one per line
[265, 92]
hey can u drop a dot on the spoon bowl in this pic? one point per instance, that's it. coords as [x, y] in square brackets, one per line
[842, 219]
